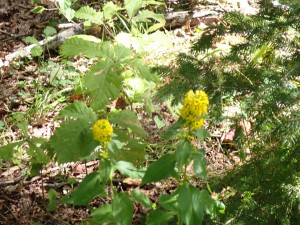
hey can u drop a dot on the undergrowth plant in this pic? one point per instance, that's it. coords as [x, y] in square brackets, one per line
[259, 72]
[117, 139]
[133, 16]
[136, 19]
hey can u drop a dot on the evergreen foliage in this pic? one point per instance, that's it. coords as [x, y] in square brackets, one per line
[261, 73]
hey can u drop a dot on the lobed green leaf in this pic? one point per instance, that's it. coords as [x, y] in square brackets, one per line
[78, 110]
[90, 15]
[104, 83]
[7, 151]
[81, 44]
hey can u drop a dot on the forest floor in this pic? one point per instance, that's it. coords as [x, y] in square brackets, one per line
[23, 91]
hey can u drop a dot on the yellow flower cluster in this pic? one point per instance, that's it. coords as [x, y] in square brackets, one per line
[102, 131]
[194, 108]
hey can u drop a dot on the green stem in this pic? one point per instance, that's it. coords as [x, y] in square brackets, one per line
[111, 187]
[208, 187]
[122, 19]
[185, 177]
[179, 218]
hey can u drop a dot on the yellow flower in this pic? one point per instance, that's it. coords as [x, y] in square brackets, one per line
[194, 108]
[102, 131]
[104, 154]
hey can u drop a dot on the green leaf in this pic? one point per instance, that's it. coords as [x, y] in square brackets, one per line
[169, 202]
[88, 189]
[7, 151]
[102, 215]
[115, 148]
[49, 31]
[134, 152]
[202, 134]
[140, 197]
[159, 217]
[191, 205]
[120, 53]
[128, 169]
[161, 169]
[73, 140]
[259, 53]
[78, 110]
[132, 7]
[152, 2]
[1, 125]
[104, 83]
[122, 209]
[35, 169]
[173, 130]
[211, 206]
[145, 15]
[127, 119]
[23, 125]
[89, 14]
[105, 170]
[56, 74]
[36, 51]
[110, 10]
[31, 40]
[38, 156]
[64, 4]
[183, 153]
[158, 122]
[143, 70]
[52, 200]
[38, 9]
[86, 45]
[69, 14]
[130, 150]
[199, 164]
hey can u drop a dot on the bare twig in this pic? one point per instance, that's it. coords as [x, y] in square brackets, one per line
[13, 181]
[4, 32]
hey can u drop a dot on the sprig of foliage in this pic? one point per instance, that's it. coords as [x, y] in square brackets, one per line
[132, 16]
[105, 79]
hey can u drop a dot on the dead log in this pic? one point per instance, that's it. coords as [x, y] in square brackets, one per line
[179, 19]
[51, 42]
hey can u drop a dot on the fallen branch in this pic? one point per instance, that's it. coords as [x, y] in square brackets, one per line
[178, 19]
[51, 42]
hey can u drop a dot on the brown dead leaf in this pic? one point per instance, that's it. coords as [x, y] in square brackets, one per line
[10, 171]
[229, 137]
[132, 182]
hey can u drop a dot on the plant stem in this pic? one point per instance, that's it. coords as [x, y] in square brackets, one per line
[179, 218]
